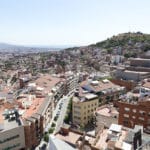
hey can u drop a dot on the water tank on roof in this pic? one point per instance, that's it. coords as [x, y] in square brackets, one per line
[95, 82]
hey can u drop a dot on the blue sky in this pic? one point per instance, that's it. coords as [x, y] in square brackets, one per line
[70, 22]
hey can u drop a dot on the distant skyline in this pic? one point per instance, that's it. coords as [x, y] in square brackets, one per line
[70, 22]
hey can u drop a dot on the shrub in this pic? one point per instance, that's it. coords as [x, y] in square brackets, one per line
[51, 130]
[66, 119]
[55, 118]
[53, 124]
[46, 137]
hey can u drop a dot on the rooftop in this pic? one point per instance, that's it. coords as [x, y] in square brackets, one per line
[99, 86]
[8, 119]
[58, 144]
[45, 82]
[146, 83]
[71, 138]
[36, 103]
[107, 110]
[108, 140]
[136, 72]
[86, 97]
[115, 127]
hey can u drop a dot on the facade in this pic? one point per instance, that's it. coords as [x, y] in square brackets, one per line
[105, 116]
[138, 70]
[139, 62]
[33, 131]
[71, 83]
[36, 123]
[83, 109]
[12, 138]
[45, 110]
[135, 113]
[12, 134]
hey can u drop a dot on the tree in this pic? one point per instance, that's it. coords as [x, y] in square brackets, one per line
[51, 130]
[53, 124]
[127, 55]
[46, 137]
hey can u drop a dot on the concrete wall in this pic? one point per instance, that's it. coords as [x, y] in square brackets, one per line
[12, 139]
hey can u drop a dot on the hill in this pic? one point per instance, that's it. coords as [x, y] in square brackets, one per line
[131, 44]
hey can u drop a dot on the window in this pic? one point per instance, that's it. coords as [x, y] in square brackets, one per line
[76, 117]
[133, 117]
[127, 109]
[126, 115]
[141, 118]
[77, 112]
[134, 110]
[77, 107]
[9, 138]
[142, 112]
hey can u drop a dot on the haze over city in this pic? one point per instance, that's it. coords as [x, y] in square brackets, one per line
[70, 22]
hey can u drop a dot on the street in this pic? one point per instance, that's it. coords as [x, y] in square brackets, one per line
[59, 111]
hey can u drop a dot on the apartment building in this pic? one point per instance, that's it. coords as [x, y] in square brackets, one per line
[35, 106]
[71, 83]
[135, 112]
[83, 108]
[137, 70]
[118, 138]
[105, 89]
[139, 62]
[105, 116]
[12, 134]
[36, 118]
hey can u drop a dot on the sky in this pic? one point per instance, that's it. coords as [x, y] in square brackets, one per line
[70, 22]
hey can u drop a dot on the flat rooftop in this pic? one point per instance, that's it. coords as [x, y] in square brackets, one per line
[107, 110]
[84, 98]
[99, 86]
[102, 142]
[70, 138]
[136, 72]
[139, 59]
[47, 82]
[6, 124]
[146, 83]
[36, 103]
